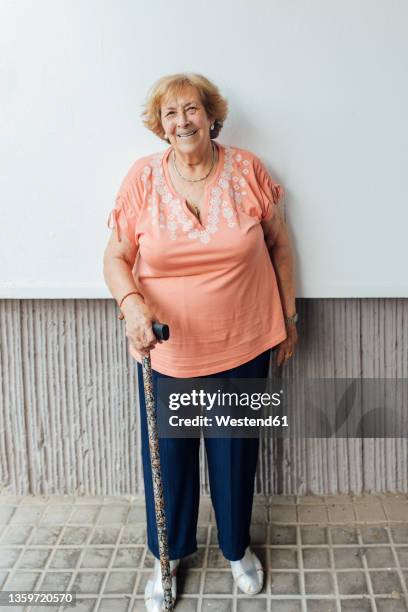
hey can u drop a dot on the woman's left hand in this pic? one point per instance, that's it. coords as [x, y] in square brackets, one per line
[286, 348]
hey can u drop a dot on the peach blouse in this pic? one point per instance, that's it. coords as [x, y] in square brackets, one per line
[212, 282]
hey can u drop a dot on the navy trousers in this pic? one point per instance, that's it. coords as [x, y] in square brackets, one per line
[232, 466]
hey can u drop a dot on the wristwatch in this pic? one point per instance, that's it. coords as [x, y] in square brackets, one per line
[292, 320]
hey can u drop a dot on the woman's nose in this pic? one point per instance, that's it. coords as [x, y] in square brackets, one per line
[182, 119]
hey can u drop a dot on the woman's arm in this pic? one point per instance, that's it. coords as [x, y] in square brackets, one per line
[281, 254]
[118, 261]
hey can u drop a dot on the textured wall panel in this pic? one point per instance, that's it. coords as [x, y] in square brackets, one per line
[69, 420]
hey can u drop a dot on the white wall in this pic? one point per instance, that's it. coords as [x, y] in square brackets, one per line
[317, 89]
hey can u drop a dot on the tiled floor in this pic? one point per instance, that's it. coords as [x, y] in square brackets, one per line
[322, 554]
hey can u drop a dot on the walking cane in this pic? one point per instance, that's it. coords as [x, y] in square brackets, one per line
[161, 331]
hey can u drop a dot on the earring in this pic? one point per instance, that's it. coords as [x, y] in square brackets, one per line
[212, 126]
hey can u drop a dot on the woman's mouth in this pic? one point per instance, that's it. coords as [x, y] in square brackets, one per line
[187, 134]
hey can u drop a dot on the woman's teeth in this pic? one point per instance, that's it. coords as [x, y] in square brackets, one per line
[187, 135]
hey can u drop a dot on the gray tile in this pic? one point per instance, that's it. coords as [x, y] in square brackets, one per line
[251, 605]
[379, 557]
[186, 605]
[56, 515]
[312, 499]
[341, 513]
[396, 510]
[356, 605]
[113, 514]
[65, 558]
[283, 558]
[385, 581]
[84, 515]
[213, 535]
[3, 576]
[27, 515]
[134, 534]
[318, 583]
[12, 500]
[218, 583]
[188, 581]
[22, 581]
[6, 512]
[282, 514]
[261, 553]
[56, 581]
[282, 535]
[316, 558]
[313, 514]
[202, 532]
[120, 582]
[258, 534]
[75, 536]
[374, 535]
[88, 582]
[344, 535]
[144, 577]
[348, 558]
[400, 534]
[114, 604]
[105, 535]
[321, 605]
[16, 534]
[391, 605]
[313, 535]
[284, 583]
[34, 558]
[261, 512]
[96, 557]
[282, 499]
[402, 554]
[369, 512]
[216, 605]
[216, 559]
[286, 605]
[352, 583]
[45, 535]
[60, 500]
[195, 560]
[82, 605]
[136, 515]
[128, 557]
[95, 500]
[8, 557]
[149, 559]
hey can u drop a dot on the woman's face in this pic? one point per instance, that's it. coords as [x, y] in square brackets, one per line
[185, 121]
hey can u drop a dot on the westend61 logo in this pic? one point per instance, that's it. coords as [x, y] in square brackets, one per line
[207, 401]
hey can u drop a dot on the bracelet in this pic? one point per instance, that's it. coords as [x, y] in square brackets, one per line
[121, 316]
[292, 320]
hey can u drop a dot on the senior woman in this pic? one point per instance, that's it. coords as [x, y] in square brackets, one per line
[199, 242]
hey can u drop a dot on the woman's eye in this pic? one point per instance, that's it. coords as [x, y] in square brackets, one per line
[193, 108]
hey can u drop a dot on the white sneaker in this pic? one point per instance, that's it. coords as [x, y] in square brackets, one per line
[248, 573]
[154, 594]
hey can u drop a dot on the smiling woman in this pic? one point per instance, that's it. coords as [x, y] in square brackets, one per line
[200, 243]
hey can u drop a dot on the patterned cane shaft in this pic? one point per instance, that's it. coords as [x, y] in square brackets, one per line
[157, 482]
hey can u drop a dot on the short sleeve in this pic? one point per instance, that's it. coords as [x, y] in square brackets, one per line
[271, 193]
[129, 202]
[122, 217]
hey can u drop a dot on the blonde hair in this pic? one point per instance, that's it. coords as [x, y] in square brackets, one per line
[216, 106]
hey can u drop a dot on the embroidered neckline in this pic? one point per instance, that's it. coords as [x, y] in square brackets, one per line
[166, 208]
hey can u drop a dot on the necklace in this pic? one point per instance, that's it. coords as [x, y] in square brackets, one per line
[198, 179]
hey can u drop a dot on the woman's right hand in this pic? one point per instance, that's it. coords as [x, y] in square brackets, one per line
[139, 320]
